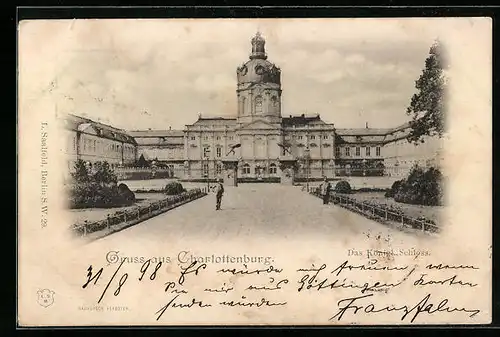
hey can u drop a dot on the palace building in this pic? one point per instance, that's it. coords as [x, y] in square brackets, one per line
[262, 143]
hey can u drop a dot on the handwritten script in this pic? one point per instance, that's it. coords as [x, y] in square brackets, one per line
[355, 289]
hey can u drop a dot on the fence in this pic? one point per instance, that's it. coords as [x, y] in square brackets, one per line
[379, 213]
[139, 173]
[139, 213]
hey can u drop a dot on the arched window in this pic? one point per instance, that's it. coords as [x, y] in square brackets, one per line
[274, 101]
[273, 169]
[246, 169]
[258, 105]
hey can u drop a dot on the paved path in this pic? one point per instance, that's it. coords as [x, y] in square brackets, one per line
[252, 211]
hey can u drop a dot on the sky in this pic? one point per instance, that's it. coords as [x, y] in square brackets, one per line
[141, 74]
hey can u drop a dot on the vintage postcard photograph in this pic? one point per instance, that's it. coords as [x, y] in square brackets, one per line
[254, 172]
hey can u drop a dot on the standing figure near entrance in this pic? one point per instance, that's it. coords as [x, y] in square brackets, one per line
[325, 191]
[219, 191]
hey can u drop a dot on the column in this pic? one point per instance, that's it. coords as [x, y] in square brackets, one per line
[250, 101]
[253, 146]
[225, 149]
[266, 143]
[213, 154]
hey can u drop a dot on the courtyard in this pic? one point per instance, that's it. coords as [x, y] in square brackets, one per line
[253, 212]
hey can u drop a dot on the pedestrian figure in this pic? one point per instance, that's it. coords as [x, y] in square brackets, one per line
[325, 191]
[219, 191]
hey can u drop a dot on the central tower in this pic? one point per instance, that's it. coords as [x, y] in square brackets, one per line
[259, 86]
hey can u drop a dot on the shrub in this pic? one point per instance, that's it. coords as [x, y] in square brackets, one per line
[103, 173]
[174, 188]
[343, 187]
[394, 188]
[421, 187]
[92, 194]
[125, 193]
[96, 187]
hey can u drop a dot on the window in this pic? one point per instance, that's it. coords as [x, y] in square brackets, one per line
[275, 101]
[219, 152]
[205, 137]
[218, 168]
[273, 169]
[299, 137]
[258, 104]
[378, 151]
[246, 169]
[325, 137]
[367, 151]
[358, 150]
[348, 151]
[313, 137]
[206, 152]
[337, 152]
[94, 146]
[205, 169]
[74, 143]
[218, 137]
[193, 138]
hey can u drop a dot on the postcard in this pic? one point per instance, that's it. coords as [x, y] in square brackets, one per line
[254, 172]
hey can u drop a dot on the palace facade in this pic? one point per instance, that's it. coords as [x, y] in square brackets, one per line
[259, 142]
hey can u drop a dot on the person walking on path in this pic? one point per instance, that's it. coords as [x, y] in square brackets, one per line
[325, 191]
[219, 191]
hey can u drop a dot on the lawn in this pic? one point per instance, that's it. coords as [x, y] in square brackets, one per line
[158, 184]
[433, 213]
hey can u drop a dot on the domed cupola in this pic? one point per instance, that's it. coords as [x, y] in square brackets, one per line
[258, 69]
[259, 85]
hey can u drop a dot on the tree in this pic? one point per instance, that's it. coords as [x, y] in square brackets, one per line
[427, 106]
[142, 162]
[80, 174]
[103, 173]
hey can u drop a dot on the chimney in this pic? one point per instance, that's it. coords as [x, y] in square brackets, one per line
[170, 128]
[366, 125]
[303, 115]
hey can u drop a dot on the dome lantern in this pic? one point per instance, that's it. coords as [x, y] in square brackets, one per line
[258, 49]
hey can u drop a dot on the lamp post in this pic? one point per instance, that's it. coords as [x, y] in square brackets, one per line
[307, 157]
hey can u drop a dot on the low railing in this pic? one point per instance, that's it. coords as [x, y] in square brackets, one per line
[137, 214]
[381, 214]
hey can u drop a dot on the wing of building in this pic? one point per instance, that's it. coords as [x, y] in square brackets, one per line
[91, 141]
[264, 143]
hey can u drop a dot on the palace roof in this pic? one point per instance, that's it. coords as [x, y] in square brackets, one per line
[156, 133]
[82, 124]
[302, 120]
